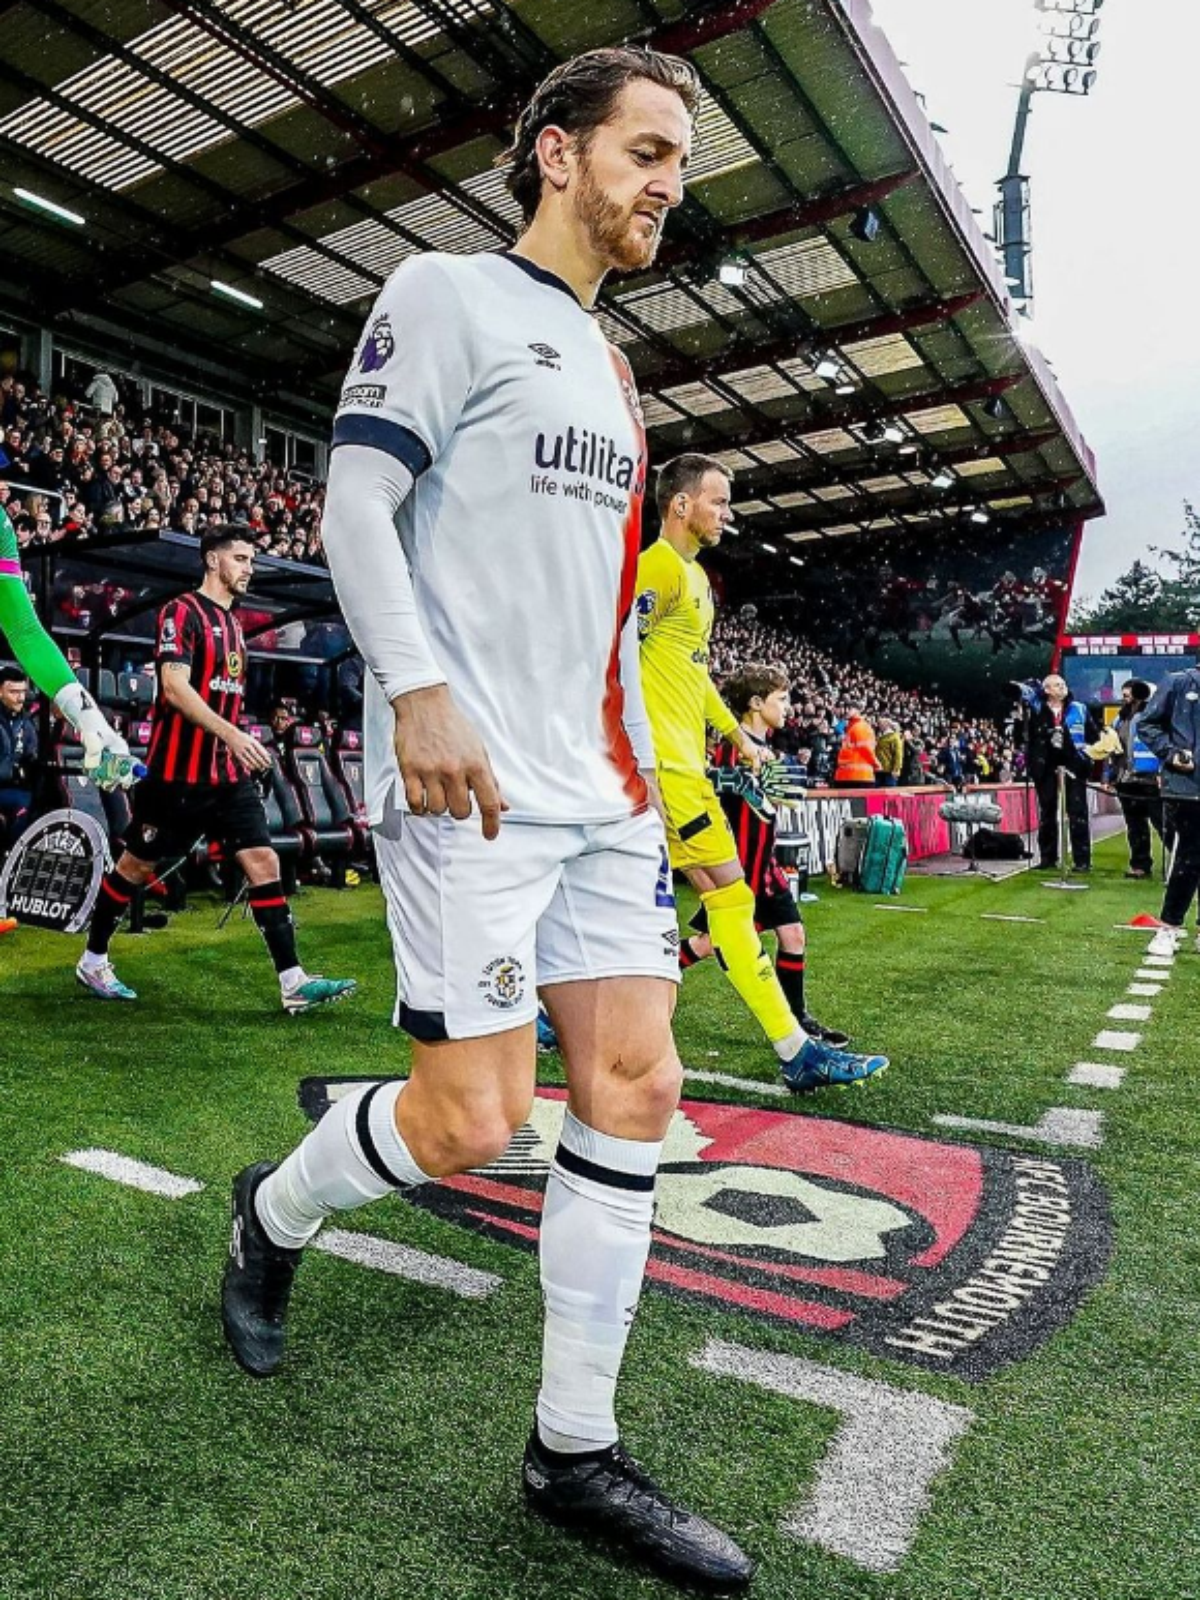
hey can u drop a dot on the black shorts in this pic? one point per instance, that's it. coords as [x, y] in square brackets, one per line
[168, 818]
[774, 906]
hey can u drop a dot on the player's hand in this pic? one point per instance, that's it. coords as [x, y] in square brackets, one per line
[443, 761]
[246, 751]
[106, 758]
[653, 792]
[751, 752]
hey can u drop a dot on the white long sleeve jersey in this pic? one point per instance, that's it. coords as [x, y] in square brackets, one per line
[516, 430]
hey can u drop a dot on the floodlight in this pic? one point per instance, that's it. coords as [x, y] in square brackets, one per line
[910, 447]
[866, 225]
[826, 365]
[732, 271]
[797, 561]
[980, 517]
[40, 202]
[770, 549]
[847, 386]
[239, 295]
[943, 478]
[893, 433]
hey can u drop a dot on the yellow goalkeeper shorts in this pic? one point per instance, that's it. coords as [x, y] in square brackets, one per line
[698, 834]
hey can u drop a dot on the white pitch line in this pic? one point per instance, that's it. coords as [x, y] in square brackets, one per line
[999, 916]
[133, 1174]
[1091, 1075]
[921, 909]
[1112, 1039]
[1123, 1013]
[875, 1481]
[1146, 990]
[1153, 974]
[751, 1085]
[402, 1261]
[1158, 961]
[1059, 1125]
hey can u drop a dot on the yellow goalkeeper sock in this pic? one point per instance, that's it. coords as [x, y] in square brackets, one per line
[747, 965]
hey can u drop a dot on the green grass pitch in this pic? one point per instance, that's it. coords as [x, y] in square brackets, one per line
[138, 1463]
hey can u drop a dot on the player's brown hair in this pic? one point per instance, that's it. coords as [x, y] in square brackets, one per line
[684, 475]
[579, 96]
[219, 536]
[755, 679]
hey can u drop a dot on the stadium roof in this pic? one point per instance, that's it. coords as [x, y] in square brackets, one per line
[298, 150]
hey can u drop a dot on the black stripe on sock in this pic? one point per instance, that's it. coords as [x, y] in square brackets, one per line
[583, 1168]
[362, 1127]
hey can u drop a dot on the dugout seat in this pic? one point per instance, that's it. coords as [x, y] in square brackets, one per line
[106, 689]
[346, 760]
[135, 692]
[326, 818]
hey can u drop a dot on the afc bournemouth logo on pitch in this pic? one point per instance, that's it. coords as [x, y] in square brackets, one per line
[954, 1258]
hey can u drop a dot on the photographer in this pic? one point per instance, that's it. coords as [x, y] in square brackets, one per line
[1054, 729]
[1135, 777]
[1170, 728]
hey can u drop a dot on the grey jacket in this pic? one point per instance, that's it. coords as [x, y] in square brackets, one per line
[1170, 723]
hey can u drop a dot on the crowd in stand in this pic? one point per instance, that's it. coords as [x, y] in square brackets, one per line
[914, 736]
[73, 469]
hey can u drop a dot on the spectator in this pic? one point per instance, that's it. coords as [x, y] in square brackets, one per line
[1056, 732]
[102, 394]
[18, 757]
[857, 762]
[1135, 776]
[889, 749]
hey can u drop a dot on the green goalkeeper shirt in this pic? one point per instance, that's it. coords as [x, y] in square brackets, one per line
[33, 647]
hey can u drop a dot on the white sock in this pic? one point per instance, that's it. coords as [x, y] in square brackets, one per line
[353, 1155]
[785, 1049]
[594, 1242]
[91, 962]
[291, 978]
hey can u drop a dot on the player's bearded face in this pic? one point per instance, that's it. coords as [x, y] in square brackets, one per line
[626, 236]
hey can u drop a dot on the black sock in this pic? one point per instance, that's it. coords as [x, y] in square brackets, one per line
[111, 904]
[269, 908]
[789, 969]
[687, 955]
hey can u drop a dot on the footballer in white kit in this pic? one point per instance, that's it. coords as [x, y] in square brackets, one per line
[520, 424]
[482, 523]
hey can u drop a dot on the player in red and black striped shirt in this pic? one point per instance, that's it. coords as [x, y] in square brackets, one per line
[759, 696]
[201, 777]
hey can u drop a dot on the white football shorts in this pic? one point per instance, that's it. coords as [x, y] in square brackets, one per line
[479, 925]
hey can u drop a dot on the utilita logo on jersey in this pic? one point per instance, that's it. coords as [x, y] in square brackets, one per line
[591, 461]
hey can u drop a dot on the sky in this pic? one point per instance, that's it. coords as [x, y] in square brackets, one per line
[1116, 232]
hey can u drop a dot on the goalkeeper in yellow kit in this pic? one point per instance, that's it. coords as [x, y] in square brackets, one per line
[675, 618]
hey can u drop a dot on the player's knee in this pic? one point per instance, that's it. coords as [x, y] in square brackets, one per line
[261, 865]
[653, 1085]
[475, 1137]
[134, 870]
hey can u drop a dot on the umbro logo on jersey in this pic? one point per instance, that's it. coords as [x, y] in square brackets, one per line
[547, 356]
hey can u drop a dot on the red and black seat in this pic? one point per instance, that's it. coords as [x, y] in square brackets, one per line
[325, 812]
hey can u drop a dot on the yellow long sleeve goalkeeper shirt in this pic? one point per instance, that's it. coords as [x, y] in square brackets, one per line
[675, 619]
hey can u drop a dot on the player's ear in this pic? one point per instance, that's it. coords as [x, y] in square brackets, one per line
[555, 148]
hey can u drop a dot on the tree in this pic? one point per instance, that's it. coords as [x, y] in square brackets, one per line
[1136, 603]
[1181, 591]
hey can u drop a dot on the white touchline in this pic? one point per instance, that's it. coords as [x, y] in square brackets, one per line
[750, 1085]
[921, 909]
[1153, 974]
[1111, 1039]
[999, 916]
[133, 1174]
[364, 1249]
[1091, 1075]
[1130, 1013]
[875, 1480]
[1146, 990]
[1059, 1125]
[384, 1255]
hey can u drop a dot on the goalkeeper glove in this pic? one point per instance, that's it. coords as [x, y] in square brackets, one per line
[740, 781]
[106, 758]
[782, 783]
